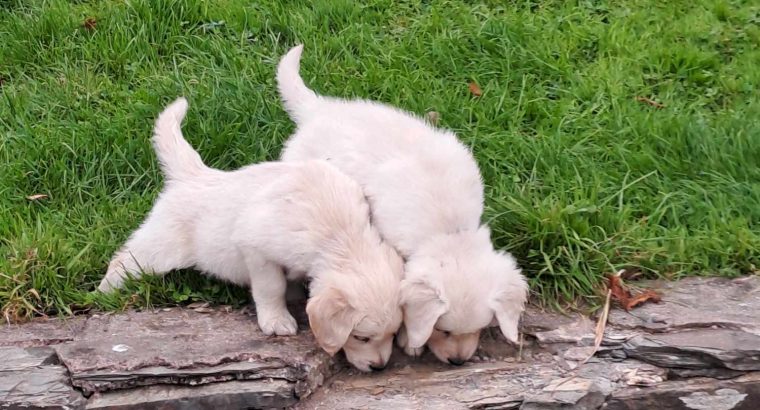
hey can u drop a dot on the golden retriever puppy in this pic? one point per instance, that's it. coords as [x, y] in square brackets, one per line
[426, 195]
[247, 226]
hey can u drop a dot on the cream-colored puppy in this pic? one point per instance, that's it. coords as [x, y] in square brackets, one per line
[426, 196]
[245, 226]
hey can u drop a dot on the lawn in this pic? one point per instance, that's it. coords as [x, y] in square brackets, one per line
[610, 134]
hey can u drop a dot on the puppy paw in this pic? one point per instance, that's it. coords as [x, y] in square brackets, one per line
[403, 342]
[414, 352]
[282, 324]
[110, 283]
[105, 286]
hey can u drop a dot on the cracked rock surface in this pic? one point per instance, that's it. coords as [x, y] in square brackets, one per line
[697, 349]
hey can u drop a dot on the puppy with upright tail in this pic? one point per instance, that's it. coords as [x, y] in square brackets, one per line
[426, 196]
[250, 225]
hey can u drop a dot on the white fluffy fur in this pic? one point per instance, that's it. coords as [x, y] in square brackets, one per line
[245, 226]
[426, 197]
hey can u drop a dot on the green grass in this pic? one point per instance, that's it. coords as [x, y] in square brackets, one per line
[582, 179]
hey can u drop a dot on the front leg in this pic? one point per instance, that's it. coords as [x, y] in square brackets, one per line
[268, 288]
[402, 340]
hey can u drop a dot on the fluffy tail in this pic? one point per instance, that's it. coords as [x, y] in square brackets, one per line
[178, 159]
[296, 97]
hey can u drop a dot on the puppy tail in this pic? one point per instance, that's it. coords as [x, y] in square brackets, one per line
[178, 159]
[296, 97]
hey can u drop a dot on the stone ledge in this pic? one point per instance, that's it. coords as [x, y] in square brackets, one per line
[698, 349]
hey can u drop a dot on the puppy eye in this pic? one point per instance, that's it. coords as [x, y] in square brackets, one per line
[446, 333]
[362, 339]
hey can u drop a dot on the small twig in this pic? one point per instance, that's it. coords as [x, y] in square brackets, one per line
[601, 326]
[648, 101]
[520, 350]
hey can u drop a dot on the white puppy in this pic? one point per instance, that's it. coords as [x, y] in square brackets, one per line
[245, 226]
[426, 196]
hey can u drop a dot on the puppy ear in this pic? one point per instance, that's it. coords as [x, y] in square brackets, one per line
[508, 304]
[331, 318]
[423, 305]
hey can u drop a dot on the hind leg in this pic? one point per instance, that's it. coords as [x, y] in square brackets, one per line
[152, 249]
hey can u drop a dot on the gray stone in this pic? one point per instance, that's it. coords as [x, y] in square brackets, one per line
[574, 393]
[715, 349]
[19, 358]
[741, 393]
[553, 328]
[427, 383]
[41, 332]
[698, 349]
[266, 394]
[185, 347]
[29, 379]
[697, 303]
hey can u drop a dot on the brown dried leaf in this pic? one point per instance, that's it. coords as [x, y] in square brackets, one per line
[624, 297]
[36, 197]
[475, 89]
[619, 293]
[648, 101]
[643, 297]
[90, 23]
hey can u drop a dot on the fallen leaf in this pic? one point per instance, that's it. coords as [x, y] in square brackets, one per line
[475, 89]
[616, 289]
[648, 101]
[90, 23]
[377, 390]
[36, 197]
[196, 305]
[623, 296]
[643, 297]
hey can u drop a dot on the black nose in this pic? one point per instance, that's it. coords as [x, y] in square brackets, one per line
[376, 367]
[456, 361]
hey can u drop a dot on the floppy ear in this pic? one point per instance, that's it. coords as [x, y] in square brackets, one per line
[331, 318]
[508, 304]
[423, 305]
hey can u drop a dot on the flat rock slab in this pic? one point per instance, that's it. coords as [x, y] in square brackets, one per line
[186, 348]
[41, 332]
[697, 303]
[699, 349]
[30, 378]
[167, 359]
[268, 394]
[654, 357]
[741, 393]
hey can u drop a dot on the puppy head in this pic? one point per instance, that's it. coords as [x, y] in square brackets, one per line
[455, 286]
[359, 313]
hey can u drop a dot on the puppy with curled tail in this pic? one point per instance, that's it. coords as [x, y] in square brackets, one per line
[250, 225]
[426, 195]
